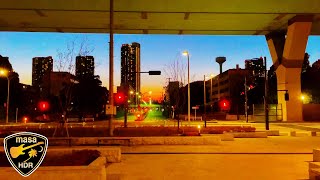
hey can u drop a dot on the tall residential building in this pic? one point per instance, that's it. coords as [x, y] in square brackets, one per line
[84, 66]
[130, 65]
[255, 65]
[40, 67]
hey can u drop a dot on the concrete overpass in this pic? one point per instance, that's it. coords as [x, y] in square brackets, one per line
[286, 25]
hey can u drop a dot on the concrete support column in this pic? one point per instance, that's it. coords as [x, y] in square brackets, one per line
[287, 54]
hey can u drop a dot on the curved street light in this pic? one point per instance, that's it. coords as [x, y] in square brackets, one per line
[186, 53]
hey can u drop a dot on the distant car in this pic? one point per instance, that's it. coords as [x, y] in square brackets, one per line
[43, 118]
[73, 119]
[88, 118]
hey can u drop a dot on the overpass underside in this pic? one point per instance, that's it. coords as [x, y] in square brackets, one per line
[286, 25]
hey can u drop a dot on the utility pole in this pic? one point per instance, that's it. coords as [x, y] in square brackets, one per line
[246, 98]
[266, 107]
[126, 89]
[111, 69]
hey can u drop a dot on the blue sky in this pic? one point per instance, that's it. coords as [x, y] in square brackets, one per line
[157, 52]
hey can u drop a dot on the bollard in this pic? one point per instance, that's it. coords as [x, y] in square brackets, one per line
[293, 133]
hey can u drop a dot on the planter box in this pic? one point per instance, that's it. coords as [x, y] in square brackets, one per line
[95, 170]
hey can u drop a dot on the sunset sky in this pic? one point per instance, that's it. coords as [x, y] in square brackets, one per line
[157, 52]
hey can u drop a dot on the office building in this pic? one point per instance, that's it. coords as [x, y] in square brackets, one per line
[230, 87]
[84, 67]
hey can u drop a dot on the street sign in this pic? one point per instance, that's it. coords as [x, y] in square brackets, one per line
[109, 111]
[195, 107]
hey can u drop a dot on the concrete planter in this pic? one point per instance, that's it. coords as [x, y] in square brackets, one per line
[95, 170]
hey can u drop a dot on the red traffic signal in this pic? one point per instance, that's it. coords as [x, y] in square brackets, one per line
[43, 105]
[224, 104]
[119, 98]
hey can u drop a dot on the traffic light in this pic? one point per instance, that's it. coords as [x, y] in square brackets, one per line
[43, 106]
[154, 72]
[224, 104]
[119, 98]
[286, 96]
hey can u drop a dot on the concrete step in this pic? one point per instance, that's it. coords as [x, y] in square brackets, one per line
[313, 165]
[314, 174]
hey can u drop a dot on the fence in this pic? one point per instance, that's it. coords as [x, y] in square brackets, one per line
[275, 112]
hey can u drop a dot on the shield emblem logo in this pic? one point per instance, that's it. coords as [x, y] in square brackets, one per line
[25, 151]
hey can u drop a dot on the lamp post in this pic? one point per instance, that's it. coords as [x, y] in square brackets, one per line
[204, 101]
[150, 101]
[6, 74]
[186, 53]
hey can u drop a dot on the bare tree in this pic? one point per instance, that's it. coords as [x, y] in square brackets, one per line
[66, 63]
[176, 73]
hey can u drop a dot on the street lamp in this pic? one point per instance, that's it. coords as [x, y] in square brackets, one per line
[5, 73]
[186, 53]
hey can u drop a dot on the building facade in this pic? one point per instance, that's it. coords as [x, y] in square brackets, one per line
[5, 63]
[230, 84]
[256, 65]
[40, 67]
[84, 67]
[130, 66]
[54, 82]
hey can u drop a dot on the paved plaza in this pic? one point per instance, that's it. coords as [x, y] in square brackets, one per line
[282, 157]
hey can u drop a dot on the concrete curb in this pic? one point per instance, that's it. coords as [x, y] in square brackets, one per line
[249, 134]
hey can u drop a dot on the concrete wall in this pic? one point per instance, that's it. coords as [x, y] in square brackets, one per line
[112, 154]
[95, 170]
[311, 112]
